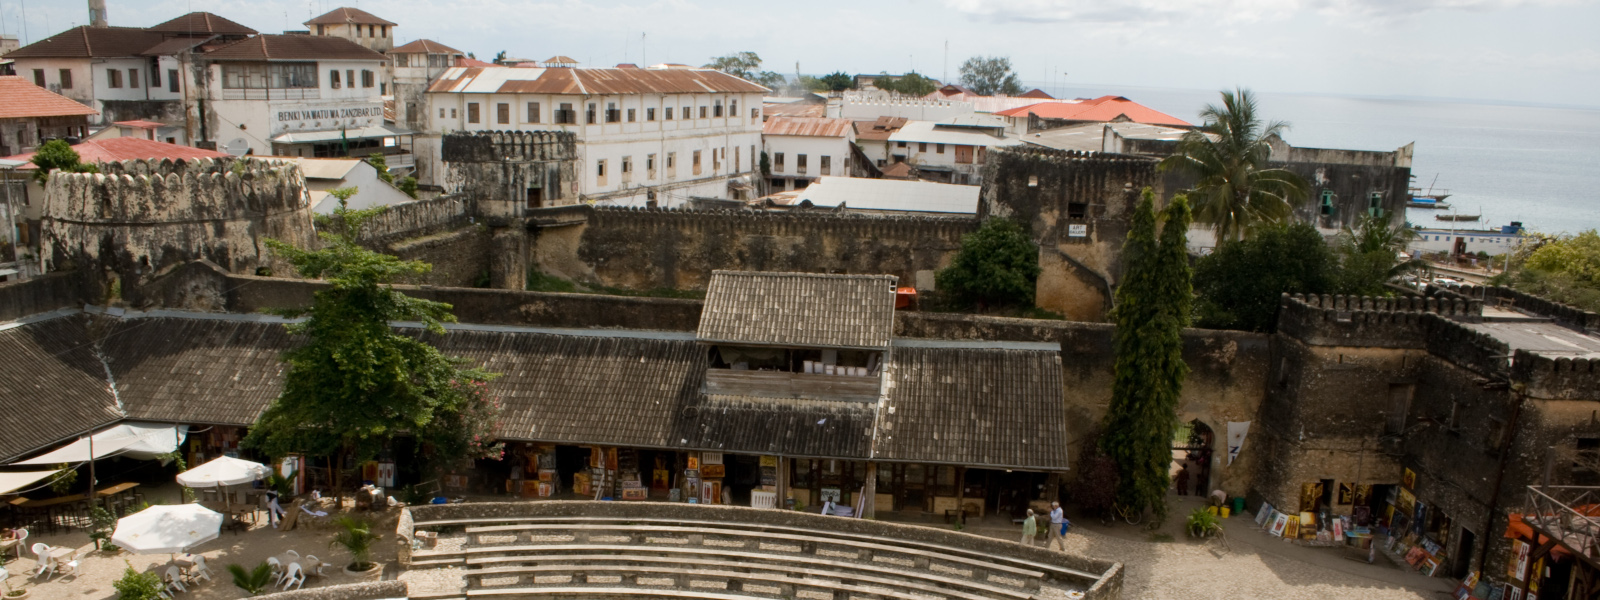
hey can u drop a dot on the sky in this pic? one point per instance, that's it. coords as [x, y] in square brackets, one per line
[1519, 51]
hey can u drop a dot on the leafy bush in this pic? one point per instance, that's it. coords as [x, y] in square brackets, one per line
[1202, 524]
[58, 155]
[137, 586]
[1240, 283]
[254, 581]
[998, 265]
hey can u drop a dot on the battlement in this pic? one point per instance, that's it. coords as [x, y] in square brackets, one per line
[1557, 378]
[1076, 156]
[1468, 348]
[1339, 320]
[783, 223]
[514, 146]
[1563, 314]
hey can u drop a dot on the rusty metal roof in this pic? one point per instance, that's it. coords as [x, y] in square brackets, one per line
[807, 126]
[880, 129]
[513, 80]
[809, 310]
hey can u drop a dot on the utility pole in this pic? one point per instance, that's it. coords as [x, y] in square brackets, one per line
[946, 74]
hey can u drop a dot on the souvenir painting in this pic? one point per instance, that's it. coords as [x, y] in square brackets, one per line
[1279, 522]
[1347, 494]
[1409, 480]
[1292, 528]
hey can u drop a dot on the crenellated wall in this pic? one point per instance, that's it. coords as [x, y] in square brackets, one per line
[1329, 320]
[506, 174]
[139, 217]
[1566, 315]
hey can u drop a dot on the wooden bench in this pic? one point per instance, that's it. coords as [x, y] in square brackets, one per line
[981, 569]
[1030, 564]
[735, 581]
[836, 569]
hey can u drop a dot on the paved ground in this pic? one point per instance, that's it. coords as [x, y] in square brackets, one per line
[1256, 566]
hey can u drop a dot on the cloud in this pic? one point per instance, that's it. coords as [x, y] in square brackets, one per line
[1222, 11]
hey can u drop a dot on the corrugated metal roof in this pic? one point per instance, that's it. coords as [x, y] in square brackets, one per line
[793, 109]
[879, 129]
[942, 133]
[809, 310]
[1104, 109]
[807, 126]
[519, 80]
[129, 148]
[891, 194]
[23, 99]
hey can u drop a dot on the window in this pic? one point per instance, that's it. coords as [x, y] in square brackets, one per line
[155, 73]
[672, 165]
[939, 149]
[612, 114]
[591, 113]
[350, 77]
[133, 78]
[667, 116]
[533, 112]
[716, 158]
[900, 144]
[755, 114]
[736, 167]
[371, 29]
[649, 114]
[565, 115]
[716, 109]
[114, 78]
[322, 30]
[264, 76]
[402, 60]
[38, 77]
[686, 114]
[777, 162]
[1077, 210]
[827, 165]
[1375, 204]
[733, 107]
[333, 77]
[383, 30]
[472, 112]
[502, 113]
[1327, 202]
[453, 113]
[600, 172]
[702, 111]
[66, 79]
[631, 115]
[358, 31]
[696, 164]
[368, 79]
[627, 168]
[172, 79]
[441, 113]
[800, 164]
[650, 166]
[1399, 405]
[922, 146]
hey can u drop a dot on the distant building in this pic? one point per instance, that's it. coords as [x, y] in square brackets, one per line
[1105, 109]
[643, 135]
[326, 174]
[415, 65]
[883, 196]
[949, 152]
[802, 149]
[873, 138]
[359, 26]
[147, 130]
[988, 104]
[30, 115]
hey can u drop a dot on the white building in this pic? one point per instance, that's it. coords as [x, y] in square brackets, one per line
[299, 95]
[885, 196]
[665, 135]
[355, 25]
[1468, 241]
[415, 65]
[949, 152]
[801, 149]
[326, 174]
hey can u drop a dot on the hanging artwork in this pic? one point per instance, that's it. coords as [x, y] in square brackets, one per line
[1363, 494]
[1409, 479]
[1236, 433]
[1310, 494]
[1347, 494]
[709, 470]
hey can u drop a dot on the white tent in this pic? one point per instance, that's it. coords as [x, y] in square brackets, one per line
[223, 470]
[143, 441]
[11, 482]
[167, 529]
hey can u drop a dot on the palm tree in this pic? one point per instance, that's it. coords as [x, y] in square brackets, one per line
[1371, 256]
[1235, 192]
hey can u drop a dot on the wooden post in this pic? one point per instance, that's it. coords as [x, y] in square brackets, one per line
[1052, 487]
[961, 495]
[783, 482]
[869, 504]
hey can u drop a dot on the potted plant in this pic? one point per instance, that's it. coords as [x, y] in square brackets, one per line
[11, 594]
[1202, 524]
[254, 581]
[138, 586]
[356, 537]
[102, 524]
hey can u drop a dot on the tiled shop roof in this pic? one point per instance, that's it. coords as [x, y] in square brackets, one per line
[52, 387]
[91, 42]
[791, 427]
[184, 370]
[23, 99]
[974, 407]
[807, 126]
[799, 309]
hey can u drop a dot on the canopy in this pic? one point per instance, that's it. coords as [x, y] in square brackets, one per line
[144, 441]
[167, 529]
[223, 470]
[334, 135]
[11, 482]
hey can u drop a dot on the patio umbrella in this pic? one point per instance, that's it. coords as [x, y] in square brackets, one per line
[222, 471]
[166, 529]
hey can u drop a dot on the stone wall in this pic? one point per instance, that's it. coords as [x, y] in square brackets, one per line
[505, 174]
[140, 218]
[460, 258]
[1077, 206]
[417, 219]
[38, 295]
[1566, 315]
[1361, 321]
[373, 590]
[678, 249]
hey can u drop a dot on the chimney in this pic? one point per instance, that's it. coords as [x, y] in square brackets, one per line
[97, 13]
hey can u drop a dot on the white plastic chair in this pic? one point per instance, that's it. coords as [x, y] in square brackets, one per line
[293, 554]
[317, 565]
[22, 542]
[174, 579]
[72, 567]
[295, 577]
[199, 570]
[277, 570]
[39, 550]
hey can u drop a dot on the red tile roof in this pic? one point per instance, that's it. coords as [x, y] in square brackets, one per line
[23, 99]
[425, 47]
[340, 16]
[806, 126]
[91, 42]
[1036, 93]
[594, 81]
[129, 148]
[176, 45]
[202, 23]
[294, 47]
[1103, 109]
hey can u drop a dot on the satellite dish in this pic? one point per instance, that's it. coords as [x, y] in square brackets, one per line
[237, 147]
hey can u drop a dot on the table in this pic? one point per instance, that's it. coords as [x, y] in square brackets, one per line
[55, 556]
[9, 544]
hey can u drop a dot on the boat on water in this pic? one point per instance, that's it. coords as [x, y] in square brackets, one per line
[1427, 199]
[1453, 217]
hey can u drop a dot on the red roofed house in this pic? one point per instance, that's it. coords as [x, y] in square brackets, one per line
[802, 149]
[1105, 109]
[30, 114]
[356, 25]
[416, 64]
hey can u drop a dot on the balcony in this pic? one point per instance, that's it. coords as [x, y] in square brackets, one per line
[1569, 516]
[272, 94]
[783, 384]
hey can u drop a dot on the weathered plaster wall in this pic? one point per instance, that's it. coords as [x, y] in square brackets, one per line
[460, 258]
[498, 170]
[38, 295]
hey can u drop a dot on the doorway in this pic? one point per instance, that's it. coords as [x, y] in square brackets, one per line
[1191, 455]
[1463, 564]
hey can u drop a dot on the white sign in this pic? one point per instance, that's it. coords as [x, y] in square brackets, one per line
[1077, 230]
[1236, 432]
[323, 117]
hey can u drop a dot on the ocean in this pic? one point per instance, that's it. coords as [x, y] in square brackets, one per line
[1537, 165]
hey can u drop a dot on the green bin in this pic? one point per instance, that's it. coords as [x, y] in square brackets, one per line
[1238, 505]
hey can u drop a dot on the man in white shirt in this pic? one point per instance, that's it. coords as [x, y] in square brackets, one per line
[1058, 527]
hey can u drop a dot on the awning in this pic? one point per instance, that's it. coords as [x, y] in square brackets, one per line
[143, 441]
[334, 135]
[11, 482]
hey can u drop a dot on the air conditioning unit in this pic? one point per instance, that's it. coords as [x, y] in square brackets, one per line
[55, 87]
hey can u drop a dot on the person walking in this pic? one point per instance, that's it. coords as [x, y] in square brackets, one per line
[1183, 481]
[1058, 527]
[1030, 528]
[274, 510]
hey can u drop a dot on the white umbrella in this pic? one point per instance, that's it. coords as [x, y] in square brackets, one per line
[223, 471]
[165, 529]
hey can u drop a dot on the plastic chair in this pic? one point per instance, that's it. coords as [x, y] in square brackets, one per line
[72, 567]
[39, 550]
[277, 570]
[22, 542]
[200, 571]
[295, 577]
[316, 563]
[174, 579]
[292, 553]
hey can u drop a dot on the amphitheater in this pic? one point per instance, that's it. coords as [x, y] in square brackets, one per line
[572, 549]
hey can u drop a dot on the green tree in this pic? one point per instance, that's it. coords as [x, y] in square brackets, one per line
[1562, 268]
[138, 586]
[409, 186]
[1369, 256]
[910, 84]
[356, 383]
[836, 81]
[58, 154]
[500, 57]
[1240, 283]
[990, 76]
[747, 66]
[997, 265]
[1236, 191]
[1152, 308]
[381, 165]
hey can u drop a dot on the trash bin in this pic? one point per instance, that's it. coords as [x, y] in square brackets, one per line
[1238, 505]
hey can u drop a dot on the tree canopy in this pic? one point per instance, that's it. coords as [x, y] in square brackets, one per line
[910, 84]
[1369, 256]
[989, 76]
[357, 383]
[1236, 191]
[997, 265]
[58, 155]
[836, 81]
[747, 66]
[1240, 282]
[1563, 268]
[1152, 308]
